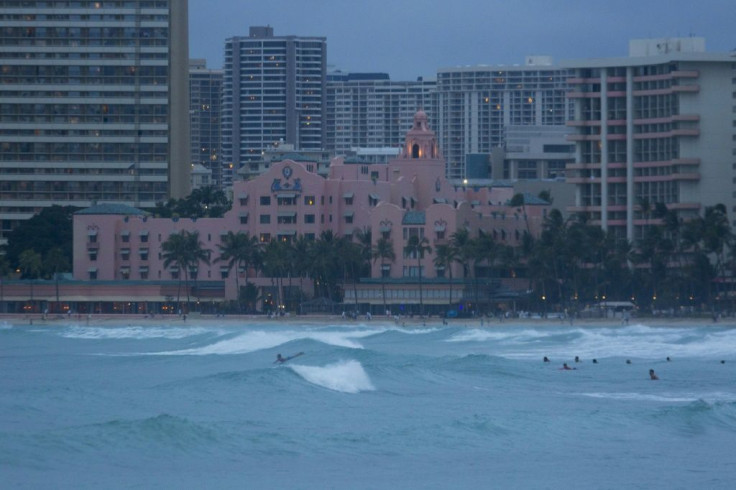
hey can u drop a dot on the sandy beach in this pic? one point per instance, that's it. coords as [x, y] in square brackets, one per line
[317, 319]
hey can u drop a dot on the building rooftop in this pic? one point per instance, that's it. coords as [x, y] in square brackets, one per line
[111, 208]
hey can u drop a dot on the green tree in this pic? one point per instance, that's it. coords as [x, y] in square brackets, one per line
[30, 264]
[56, 262]
[51, 228]
[383, 250]
[417, 247]
[185, 251]
[240, 251]
[445, 256]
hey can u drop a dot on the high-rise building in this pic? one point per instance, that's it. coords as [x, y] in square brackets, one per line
[475, 104]
[654, 127]
[94, 104]
[273, 91]
[368, 110]
[205, 95]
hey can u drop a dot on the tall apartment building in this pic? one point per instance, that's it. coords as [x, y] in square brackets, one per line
[273, 90]
[475, 104]
[654, 127]
[205, 110]
[368, 110]
[94, 104]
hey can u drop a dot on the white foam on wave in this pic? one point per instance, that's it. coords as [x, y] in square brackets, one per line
[344, 376]
[710, 397]
[641, 397]
[639, 341]
[132, 332]
[262, 339]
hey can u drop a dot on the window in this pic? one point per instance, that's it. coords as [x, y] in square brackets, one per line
[265, 200]
[309, 200]
[308, 218]
[265, 237]
[125, 253]
[144, 236]
[92, 274]
[125, 236]
[92, 252]
[265, 219]
[243, 219]
[143, 253]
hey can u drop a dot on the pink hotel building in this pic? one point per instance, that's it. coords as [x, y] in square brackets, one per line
[118, 248]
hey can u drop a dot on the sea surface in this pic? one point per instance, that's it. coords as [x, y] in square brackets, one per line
[368, 406]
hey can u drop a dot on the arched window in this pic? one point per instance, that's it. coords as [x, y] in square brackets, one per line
[415, 151]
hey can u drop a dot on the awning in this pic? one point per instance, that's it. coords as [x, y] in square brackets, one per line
[224, 268]
[384, 229]
[124, 251]
[439, 200]
[475, 203]
[286, 195]
[439, 227]
[125, 233]
[143, 233]
[92, 232]
[143, 268]
[244, 214]
[243, 195]
[375, 197]
[348, 195]
[287, 214]
[92, 269]
[286, 233]
[142, 251]
[125, 269]
[348, 214]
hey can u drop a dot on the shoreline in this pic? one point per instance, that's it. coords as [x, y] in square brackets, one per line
[337, 320]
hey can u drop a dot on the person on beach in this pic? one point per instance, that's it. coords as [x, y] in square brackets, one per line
[652, 375]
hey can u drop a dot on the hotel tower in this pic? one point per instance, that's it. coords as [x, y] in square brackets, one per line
[94, 104]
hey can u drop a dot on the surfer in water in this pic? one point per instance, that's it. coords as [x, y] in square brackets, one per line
[281, 359]
[652, 375]
[565, 367]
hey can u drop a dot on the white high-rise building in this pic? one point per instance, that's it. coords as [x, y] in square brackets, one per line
[94, 104]
[273, 91]
[476, 103]
[368, 110]
[655, 127]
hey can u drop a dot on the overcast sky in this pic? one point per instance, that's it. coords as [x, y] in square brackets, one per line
[412, 38]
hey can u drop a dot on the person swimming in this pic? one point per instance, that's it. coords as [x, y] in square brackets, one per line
[546, 359]
[577, 359]
[628, 361]
[595, 361]
[565, 367]
[652, 375]
[280, 359]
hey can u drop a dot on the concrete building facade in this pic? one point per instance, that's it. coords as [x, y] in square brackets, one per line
[368, 110]
[205, 112]
[273, 90]
[94, 104]
[655, 127]
[475, 105]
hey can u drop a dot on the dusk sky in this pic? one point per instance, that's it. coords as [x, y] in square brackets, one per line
[411, 38]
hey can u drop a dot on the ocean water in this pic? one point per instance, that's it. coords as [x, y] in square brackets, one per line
[368, 405]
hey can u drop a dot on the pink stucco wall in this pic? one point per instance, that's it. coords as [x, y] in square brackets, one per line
[354, 197]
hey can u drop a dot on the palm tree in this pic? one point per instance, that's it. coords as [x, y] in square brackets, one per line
[445, 256]
[417, 247]
[185, 251]
[29, 262]
[276, 265]
[56, 261]
[239, 250]
[383, 250]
